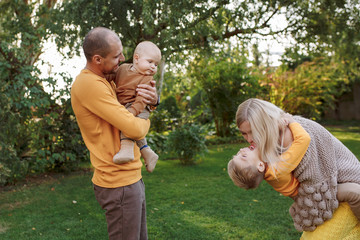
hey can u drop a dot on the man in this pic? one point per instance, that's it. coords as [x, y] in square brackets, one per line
[119, 189]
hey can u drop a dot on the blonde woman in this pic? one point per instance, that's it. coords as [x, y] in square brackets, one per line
[326, 173]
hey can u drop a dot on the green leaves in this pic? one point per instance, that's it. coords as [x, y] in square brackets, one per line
[187, 142]
[227, 81]
[37, 132]
[310, 89]
[175, 26]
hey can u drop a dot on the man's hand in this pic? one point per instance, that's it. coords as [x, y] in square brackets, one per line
[148, 93]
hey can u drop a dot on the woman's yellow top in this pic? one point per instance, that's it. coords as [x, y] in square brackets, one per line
[342, 226]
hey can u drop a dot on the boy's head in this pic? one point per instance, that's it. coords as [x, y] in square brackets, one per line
[246, 169]
[146, 57]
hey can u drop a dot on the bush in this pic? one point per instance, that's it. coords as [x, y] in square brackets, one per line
[162, 121]
[157, 142]
[171, 106]
[187, 142]
[308, 90]
[227, 81]
[13, 134]
[39, 132]
[215, 140]
[57, 141]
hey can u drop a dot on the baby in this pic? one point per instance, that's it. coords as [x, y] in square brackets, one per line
[145, 61]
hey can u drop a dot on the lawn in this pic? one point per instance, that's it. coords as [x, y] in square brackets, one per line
[183, 202]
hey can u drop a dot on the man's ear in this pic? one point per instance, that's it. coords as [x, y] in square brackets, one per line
[261, 167]
[96, 59]
[136, 57]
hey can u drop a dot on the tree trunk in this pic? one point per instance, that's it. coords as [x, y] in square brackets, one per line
[162, 73]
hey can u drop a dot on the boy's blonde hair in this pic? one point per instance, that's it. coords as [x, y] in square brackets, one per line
[266, 122]
[248, 177]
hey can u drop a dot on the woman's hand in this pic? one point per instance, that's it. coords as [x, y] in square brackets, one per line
[148, 93]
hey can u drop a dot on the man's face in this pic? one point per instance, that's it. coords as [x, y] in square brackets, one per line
[110, 63]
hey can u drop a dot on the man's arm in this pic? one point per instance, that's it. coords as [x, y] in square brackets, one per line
[101, 101]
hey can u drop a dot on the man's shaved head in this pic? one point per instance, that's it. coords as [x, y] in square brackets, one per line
[96, 42]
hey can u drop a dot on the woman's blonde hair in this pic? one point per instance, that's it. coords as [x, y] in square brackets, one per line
[248, 177]
[266, 122]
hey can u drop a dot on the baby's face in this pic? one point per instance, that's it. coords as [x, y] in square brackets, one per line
[248, 156]
[147, 63]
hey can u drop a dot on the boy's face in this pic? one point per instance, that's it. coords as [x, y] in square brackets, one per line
[249, 157]
[146, 63]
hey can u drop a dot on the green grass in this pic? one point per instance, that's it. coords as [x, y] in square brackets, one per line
[183, 202]
[349, 135]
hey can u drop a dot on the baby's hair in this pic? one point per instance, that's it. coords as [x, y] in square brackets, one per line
[145, 46]
[266, 121]
[248, 177]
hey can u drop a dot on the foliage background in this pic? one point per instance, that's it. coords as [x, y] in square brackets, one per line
[211, 63]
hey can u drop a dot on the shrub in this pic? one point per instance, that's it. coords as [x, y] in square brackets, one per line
[171, 106]
[227, 81]
[157, 142]
[215, 140]
[38, 131]
[187, 142]
[162, 121]
[308, 90]
[57, 141]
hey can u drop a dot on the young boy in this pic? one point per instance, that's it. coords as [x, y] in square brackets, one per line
[145, 61]
[247, 170]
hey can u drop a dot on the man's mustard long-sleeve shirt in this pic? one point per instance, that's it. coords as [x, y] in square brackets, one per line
[100, 117]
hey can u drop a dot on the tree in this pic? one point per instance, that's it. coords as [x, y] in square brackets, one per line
[32, 130]
[227, 81]
[328, 29]
[309, 89]
[177, 27]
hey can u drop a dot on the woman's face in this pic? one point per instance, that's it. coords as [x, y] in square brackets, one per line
[246, 132]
